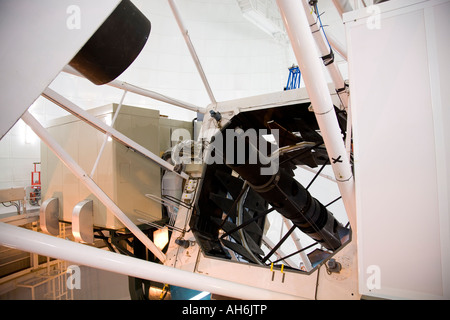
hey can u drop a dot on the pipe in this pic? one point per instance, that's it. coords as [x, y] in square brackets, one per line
[106, 137]
[191, 48]
[298, 245]
[141, 91]
[154, 95]
[336, 45]
[89, 183]
[302, 41]
[66, 250]
[99, 125]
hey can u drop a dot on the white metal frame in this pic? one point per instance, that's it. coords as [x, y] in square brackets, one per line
[322, 44]
[191, 48]
[316, 282]
[89, 183]
[297, 284]
[122, 85]
[99, 125]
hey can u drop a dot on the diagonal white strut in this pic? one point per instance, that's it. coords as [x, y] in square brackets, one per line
[119, 84]
[303, 44]
[89, 183]
[107, 136]
[72, 108]
[324, 49]
[191, 48]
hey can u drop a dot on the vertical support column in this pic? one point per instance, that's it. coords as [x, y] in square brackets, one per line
[302, 41]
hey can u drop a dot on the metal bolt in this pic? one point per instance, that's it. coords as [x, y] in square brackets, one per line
[334, 266]
[183, 243]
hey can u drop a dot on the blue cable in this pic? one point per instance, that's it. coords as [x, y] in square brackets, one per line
[321, 26]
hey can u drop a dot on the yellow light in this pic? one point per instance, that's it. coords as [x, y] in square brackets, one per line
[161, 237]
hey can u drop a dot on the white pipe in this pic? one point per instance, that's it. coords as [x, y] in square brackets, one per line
[302, 41]
[306, 262]
[66, 250]
[154, 95]
[336, 45]
[342, 6]
[107, 136]
[99, 125]
[89, 183]
[305, 167]
[324, 49]
[143, 92]
[191, 48]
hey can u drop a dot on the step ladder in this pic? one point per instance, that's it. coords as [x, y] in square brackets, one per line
[294, 78]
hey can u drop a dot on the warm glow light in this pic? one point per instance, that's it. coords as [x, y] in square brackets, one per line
[161, 237]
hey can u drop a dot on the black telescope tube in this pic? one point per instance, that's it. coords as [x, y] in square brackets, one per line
[287, 196]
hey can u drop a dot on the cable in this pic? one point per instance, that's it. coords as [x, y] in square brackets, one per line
[321, 25]
[329, 58]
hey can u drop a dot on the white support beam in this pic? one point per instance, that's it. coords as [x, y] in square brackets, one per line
[31, 241]
[303, 44]
[154, 95]
[324, 48]
[101, 126]
[107, 136]
[306, 262]
[191, 48]
[336, 45]
[119, 84]
[89, 183]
